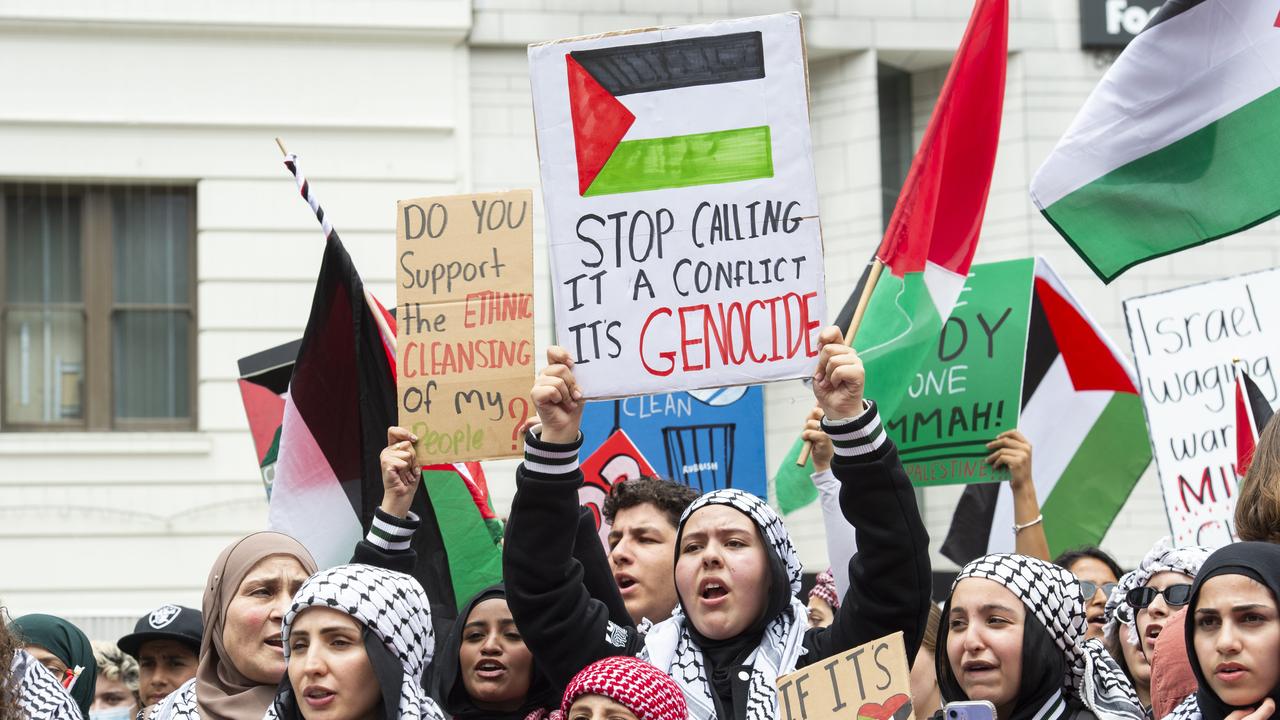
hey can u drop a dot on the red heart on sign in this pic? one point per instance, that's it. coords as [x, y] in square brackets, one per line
[890, 708]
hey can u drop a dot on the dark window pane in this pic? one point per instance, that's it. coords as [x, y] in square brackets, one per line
[151, 364]
[896, 144]
[152, 236]
[43, 366]
[42, 247]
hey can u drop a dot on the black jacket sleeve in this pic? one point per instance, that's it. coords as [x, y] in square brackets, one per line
[890, 580]
[387, 544]
[597, 576]
[563, 626]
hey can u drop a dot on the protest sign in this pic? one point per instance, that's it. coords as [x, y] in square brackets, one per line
[464, 307]
[682, 207]
[617, 459]
[706, 439]
[1183, 342]
[264, 379]
[968, 390]
[870, 682]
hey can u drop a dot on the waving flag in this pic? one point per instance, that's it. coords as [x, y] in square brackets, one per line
[1174, 146]
[1253, 412]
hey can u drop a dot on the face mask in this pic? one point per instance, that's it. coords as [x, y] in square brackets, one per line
[115, 713]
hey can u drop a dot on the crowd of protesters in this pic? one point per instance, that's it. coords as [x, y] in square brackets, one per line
[694, 610]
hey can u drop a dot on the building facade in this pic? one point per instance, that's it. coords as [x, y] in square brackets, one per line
[151, 236]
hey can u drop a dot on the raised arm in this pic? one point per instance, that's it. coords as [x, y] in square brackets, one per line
[563, 626]
[890, 579]
[388, 543]
[1012, 450]
[841, 543]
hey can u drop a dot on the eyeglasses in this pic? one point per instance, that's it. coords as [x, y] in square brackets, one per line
[1174, 595]
[1090, 588]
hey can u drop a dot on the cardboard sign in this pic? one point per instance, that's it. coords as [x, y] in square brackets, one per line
[616, 460]
[871, 681]
[464, 307]
[969, 390]
[706, 439]
[1184, 341]
[264, 380]
[682, 208]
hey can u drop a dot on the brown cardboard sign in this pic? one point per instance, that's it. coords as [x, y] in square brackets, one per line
[464, 312]
[869, 682]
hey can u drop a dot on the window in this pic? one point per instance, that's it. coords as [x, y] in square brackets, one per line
[97, 307]
[896, 144]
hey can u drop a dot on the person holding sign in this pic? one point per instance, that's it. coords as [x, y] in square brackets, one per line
[1013, 634]
[1232, 631]
[738, 624]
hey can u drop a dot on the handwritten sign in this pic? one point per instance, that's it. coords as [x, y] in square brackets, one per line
[1183, 342]
[681, 205]
[464, 299]
[969, 389]
[871, 681]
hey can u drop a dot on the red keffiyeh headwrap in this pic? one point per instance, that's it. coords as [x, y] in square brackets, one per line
[826, 589]
[644, 689]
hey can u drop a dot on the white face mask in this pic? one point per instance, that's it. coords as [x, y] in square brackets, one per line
[115, 713]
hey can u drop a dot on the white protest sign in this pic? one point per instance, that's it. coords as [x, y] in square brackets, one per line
[681, 204]
[1184, 341]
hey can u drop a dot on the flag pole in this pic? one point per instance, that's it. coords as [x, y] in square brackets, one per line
[304, 187]
[877, 268]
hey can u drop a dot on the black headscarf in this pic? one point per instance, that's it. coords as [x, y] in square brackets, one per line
[1258, 561]
[1043, 668]
[69, 644]
[444, 680]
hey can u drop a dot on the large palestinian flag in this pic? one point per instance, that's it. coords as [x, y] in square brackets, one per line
[1082, 413]
[1175, 145]
[615, 155]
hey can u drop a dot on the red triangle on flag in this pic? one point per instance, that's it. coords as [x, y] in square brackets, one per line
[599, 122]
[1090, 363]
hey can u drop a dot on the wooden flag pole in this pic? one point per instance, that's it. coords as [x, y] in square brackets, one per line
[877, 268]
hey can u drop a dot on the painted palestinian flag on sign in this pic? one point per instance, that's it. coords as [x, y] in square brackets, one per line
[264, 381]
[1175, 147]
[1253, 412]
[1083, 416]
[617, 154]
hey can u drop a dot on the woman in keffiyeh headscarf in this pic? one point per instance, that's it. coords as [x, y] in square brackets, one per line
[61, 647]
[1233, 632]
[28, 691]
[1013, 633]
[357, 639]
[250, 588]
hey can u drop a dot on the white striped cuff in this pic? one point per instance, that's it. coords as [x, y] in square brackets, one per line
[859, 436]
[548, 458]
[390, 532]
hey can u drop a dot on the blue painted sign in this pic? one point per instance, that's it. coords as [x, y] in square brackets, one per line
[707, 439]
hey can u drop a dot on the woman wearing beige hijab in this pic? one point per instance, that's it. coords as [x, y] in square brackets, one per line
[242, 659]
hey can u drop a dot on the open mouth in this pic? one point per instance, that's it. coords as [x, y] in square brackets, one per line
[977, 666]
[1230, 672]
[1153, 632]
[490, 669]
[625, 582]
[275, 641]
[317, 696]
[713, 590]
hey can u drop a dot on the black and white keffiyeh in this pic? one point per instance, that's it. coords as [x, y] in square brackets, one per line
[670, 647]
[1162, 557]
[394, 609]
[40, 697]
[1053, 596]
[1188, 709]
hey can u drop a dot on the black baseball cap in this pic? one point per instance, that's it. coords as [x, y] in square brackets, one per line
[167, 622]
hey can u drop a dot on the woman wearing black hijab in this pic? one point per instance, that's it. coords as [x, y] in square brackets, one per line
[483, 669]
[1233, 634]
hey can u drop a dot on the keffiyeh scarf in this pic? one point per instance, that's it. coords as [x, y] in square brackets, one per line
[39, 695]
[1053, 596]
[1162, 557]
[669, 646]
[1188, 710]
[394, 608]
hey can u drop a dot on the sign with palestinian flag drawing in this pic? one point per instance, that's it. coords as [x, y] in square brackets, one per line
[682, 210]
[1184, 341]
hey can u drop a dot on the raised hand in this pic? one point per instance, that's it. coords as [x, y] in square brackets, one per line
[821, 448]
[400, 471]
[557, 399]
[840, 379]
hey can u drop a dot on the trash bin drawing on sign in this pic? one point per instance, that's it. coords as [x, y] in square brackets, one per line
[700, 455]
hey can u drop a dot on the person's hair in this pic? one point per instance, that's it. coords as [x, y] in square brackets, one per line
[930, 639]
[9, 644]
[1070, 557]
[668, 496]
[115, 664]
[1258, 506]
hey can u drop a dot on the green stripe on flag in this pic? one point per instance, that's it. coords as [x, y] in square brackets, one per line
[475, 561]
[899, 330]
[793, 485]
[1099, 478]
[686, 160]
[1214, 182]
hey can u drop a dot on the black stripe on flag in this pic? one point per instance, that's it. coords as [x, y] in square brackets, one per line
[1258, 405]
[971, 524]
[270, 368]
[1170, 10]
[628, 69]
[1042, 349]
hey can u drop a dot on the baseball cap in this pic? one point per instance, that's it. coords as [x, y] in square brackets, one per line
[167, 622]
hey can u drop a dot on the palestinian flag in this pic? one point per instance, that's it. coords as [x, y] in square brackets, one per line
[1253, 412]
[1173, 148]
[264, 381]
[609, 86]
[933, 232]
[1084, 418]
[471, 531]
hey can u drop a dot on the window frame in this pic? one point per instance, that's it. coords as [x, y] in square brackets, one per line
[98, 309]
